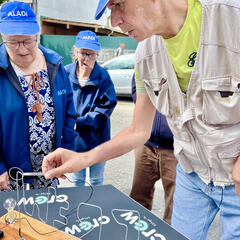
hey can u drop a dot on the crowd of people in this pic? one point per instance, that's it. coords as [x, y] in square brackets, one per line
[186, 77]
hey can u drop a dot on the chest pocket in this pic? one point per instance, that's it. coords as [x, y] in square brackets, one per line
[158, 91]
[221, 101]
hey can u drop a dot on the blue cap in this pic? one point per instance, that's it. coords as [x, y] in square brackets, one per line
[87, 39]
[17, 18]
[101, 8]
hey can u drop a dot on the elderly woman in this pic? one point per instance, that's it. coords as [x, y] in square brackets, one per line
[37, 110]
[94, 99]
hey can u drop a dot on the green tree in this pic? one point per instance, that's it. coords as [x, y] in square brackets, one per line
[2, 1]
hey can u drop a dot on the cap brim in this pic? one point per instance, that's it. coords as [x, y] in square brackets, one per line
[87, 45]
[19, 28]
[101, 8]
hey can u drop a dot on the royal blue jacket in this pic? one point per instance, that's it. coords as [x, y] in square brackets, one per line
[94, 104]
[14, 122]
[161, 135]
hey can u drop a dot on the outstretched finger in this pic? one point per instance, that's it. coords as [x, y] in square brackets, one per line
[55, 172]
[50, 161]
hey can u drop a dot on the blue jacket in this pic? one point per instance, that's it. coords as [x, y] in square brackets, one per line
[161, 135]
[14, 123]
[97, 100]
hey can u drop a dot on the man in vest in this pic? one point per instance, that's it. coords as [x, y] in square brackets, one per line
[189, 72]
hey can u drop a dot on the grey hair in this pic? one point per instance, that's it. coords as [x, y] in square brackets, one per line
[37, 35]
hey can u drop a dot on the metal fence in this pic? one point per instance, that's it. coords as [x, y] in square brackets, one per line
[63, 44]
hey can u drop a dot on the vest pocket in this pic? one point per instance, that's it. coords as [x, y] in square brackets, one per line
[227, 158]
[221, 101]
[158, 92]
[184, 159]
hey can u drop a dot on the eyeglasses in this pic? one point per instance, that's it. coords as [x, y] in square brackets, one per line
[89, 55]
[28, 43]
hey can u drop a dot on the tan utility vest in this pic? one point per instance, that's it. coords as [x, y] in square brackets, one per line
[206, 120]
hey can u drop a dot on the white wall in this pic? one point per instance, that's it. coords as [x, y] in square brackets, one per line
[71, 10]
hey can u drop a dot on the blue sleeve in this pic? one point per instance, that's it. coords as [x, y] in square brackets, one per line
[3, 168]
[69, 134]
[104, 105]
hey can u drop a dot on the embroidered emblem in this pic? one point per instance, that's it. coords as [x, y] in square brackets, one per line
[18, 14]
[192, 58]
[61, 92]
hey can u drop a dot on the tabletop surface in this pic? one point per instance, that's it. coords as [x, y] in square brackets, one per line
[79, 210]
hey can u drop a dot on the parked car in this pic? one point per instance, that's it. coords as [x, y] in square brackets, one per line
[121, 70]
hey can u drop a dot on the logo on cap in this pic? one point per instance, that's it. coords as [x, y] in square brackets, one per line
[88, 38]
[17, 18]
[18, 13]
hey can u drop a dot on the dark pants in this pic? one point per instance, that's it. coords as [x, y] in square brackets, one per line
[152, 164]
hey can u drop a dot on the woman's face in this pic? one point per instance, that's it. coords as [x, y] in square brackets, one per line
[22, 49]
[86, 59]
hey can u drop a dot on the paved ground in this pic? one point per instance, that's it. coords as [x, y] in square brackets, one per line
[119, 172]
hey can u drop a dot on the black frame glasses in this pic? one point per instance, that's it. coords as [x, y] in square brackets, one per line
[28, 43]
[89, 55]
